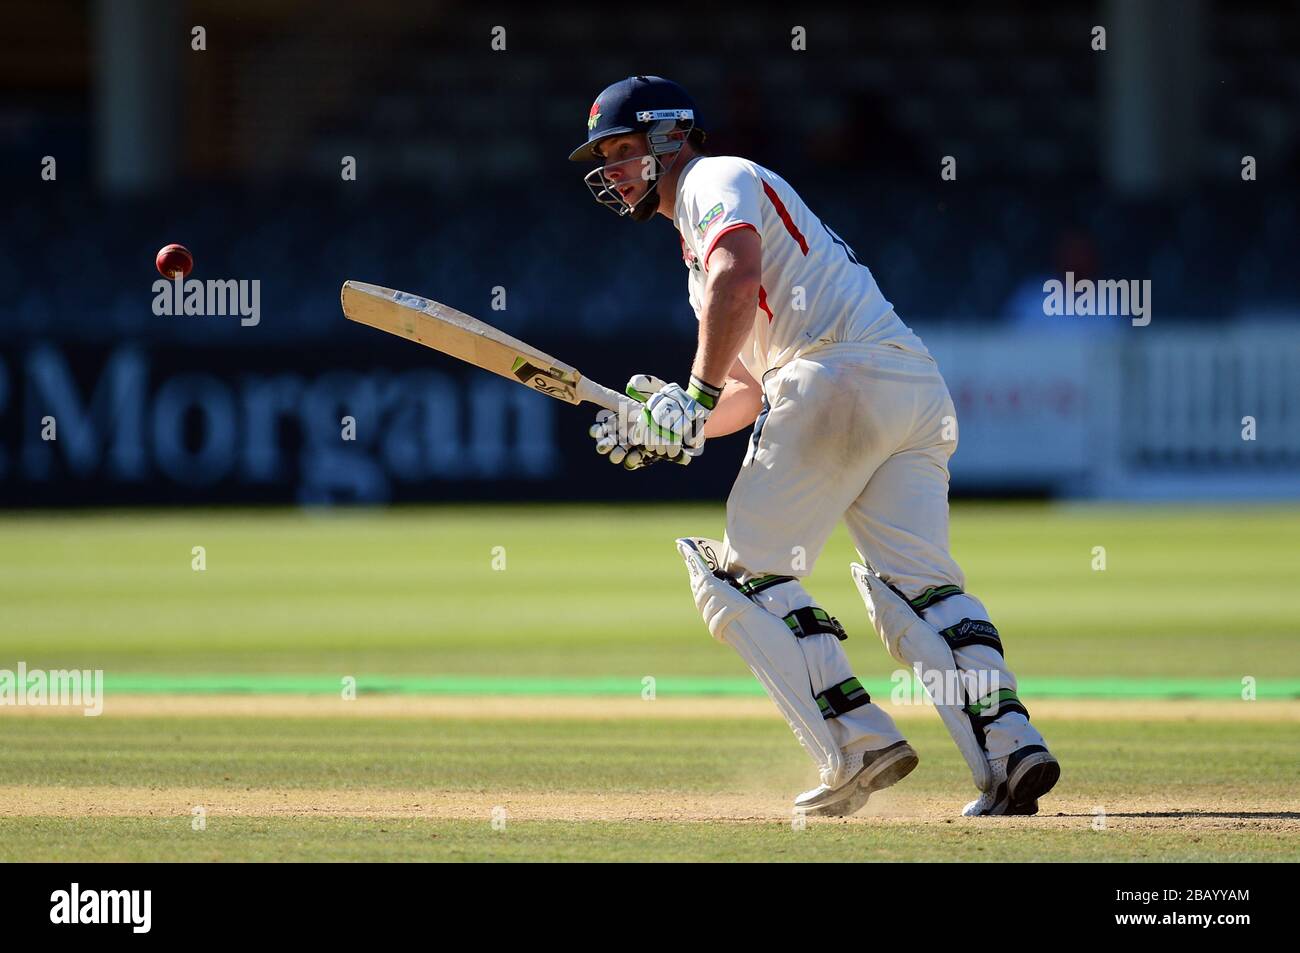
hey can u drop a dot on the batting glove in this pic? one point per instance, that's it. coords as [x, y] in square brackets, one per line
[674, 418]
[621, 437]
[615, 440]
[624, 439]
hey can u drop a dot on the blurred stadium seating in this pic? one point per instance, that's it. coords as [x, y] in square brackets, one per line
[463, 185]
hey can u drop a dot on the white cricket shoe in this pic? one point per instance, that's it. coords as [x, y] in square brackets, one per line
[868, 772]
[1019, 780]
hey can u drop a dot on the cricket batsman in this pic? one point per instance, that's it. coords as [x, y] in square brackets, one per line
[851, 420]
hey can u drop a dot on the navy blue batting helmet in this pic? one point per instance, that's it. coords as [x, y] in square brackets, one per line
[635, 104]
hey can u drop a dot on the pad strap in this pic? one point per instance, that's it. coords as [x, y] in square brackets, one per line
[844, 697]
[932, 596]
[759, 583]
[973, 632]
[810, 620]
[989, 709]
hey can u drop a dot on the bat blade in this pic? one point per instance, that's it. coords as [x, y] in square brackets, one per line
[443, 328]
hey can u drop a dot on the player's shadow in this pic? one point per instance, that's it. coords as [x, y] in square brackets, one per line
[1232, 815]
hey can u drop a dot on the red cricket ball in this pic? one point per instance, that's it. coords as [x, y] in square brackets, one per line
[174, 260]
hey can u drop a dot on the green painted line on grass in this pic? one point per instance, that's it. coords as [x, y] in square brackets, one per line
[679, 687]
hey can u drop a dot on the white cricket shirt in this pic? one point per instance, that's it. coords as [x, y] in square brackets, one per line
[813, 291]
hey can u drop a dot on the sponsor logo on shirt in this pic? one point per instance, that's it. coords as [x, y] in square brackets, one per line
[709, 218]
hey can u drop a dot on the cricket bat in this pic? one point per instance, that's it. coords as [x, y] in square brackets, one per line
[467, 339]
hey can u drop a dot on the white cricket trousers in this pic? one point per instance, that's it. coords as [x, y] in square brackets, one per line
[862, 433]
[857, 432]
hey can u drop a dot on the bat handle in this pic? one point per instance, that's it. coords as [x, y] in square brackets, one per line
[593, 393]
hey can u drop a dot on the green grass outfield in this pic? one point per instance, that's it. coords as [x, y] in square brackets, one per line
[600, 591]
[591, 601]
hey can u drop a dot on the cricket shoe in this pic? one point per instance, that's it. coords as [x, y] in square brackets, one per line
[1019, 780]
[868, 772]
